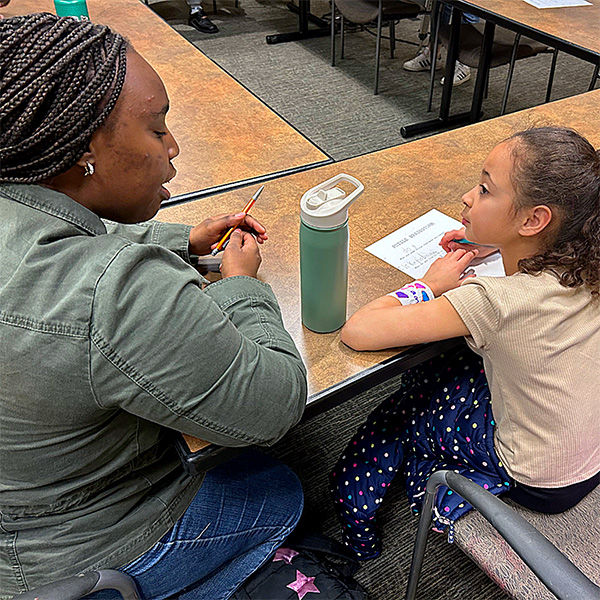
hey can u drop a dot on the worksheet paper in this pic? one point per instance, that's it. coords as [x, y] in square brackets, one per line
[557, 3]
[413, 248]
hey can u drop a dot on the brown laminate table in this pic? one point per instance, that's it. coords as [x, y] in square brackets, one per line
[401, 183]
[574, 30]
[228, 137]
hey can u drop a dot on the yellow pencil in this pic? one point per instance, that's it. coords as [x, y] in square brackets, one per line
[245, 210]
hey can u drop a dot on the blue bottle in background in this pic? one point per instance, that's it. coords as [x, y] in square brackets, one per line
[76, 9]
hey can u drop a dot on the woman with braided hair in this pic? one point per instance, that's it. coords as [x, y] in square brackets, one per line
[108, 341]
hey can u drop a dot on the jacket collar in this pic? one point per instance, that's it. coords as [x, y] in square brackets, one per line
[56, 204]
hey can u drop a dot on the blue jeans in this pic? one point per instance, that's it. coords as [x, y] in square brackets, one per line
[243, 512]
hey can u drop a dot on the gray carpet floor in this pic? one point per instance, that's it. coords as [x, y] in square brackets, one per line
[336, 109]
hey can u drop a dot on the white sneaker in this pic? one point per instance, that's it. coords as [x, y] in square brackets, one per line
[421, 62]
[462, 74]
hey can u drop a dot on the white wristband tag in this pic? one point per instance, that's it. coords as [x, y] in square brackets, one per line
[414, 292]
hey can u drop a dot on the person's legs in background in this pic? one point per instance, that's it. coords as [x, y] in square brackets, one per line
[198, 19]
[422, 61]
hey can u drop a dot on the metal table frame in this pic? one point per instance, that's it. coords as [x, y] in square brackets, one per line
[491, 21]
[303, 33]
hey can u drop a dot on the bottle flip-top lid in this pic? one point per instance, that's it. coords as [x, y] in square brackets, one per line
[325, 206]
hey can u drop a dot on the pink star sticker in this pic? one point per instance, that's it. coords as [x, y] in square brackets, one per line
[303, 585]
[285, 554]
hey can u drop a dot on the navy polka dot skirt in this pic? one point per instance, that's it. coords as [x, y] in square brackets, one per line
[440, 418]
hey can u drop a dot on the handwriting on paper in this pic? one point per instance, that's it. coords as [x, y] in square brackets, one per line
[415, 246]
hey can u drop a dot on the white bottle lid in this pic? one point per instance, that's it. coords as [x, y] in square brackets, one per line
[325, 206]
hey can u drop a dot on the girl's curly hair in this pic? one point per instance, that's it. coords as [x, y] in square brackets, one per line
[559, 168]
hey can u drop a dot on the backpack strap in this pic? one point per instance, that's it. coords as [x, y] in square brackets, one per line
[317, 542]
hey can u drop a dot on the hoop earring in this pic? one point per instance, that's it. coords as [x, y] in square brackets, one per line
[89, 169]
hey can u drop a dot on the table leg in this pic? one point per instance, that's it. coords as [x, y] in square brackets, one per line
[303, 33]
[485, 58]
[444, 120]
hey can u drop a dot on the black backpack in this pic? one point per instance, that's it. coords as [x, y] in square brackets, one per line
[306, 567]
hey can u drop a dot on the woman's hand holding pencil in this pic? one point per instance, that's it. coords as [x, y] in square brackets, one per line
[242, 255]
[206, 236]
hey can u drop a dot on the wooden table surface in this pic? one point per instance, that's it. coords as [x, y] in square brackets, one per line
[577, 26]
[401, 183]
[225, 133]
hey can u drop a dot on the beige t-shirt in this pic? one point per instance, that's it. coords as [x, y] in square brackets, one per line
[540, 343]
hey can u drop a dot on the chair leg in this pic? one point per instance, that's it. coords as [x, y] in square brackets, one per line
[392, 38]
[215, 7]
[425, 21]
[551, 76]
[594, 77]
[342, 35]
[486, 87]
[511, 69]
[437, 17]
[378, 47]
[333, 33]
[421, 539]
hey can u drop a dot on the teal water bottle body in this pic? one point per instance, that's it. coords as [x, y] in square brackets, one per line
[323, 277]
[77, 9]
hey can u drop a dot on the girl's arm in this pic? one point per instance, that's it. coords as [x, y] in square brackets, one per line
[385, 323]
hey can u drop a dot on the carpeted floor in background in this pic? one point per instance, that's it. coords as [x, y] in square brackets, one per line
[336, 109]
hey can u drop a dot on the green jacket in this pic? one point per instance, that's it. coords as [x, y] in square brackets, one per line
[107, 341]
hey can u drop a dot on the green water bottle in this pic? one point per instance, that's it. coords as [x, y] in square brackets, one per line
[324, 253]
[76, 9]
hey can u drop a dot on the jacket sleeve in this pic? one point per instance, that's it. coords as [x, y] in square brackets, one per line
[172, 236]
[218, 365]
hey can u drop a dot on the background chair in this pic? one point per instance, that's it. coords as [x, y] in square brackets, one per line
[75, 588]
[503, 542]
[363, 12]
[507, 48]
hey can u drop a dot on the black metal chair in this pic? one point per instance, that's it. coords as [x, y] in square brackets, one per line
[79, 586]
[507, 48]
[550, 565]
[362, 12]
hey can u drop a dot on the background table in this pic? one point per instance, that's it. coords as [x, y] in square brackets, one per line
[575, 31]
[227, 136]
[401, 183]
[303, 33]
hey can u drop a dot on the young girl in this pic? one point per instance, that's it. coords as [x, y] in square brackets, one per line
[536, 338]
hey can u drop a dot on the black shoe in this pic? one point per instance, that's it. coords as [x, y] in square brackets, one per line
[199, 20]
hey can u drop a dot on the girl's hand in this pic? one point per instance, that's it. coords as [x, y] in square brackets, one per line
[446, 242]
[458, 234]
[205, 236]
[448, 272]
[242, 256]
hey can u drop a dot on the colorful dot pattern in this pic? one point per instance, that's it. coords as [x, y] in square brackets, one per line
[440, 418]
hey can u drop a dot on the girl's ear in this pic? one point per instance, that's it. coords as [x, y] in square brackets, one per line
[535, 220]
